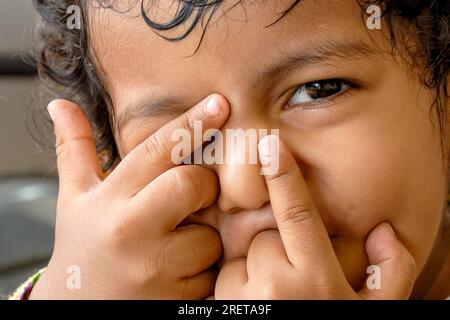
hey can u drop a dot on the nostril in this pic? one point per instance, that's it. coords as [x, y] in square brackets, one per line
[233, 201]
[266, 205]
[234, 210]
[227, 206]
[241, 187]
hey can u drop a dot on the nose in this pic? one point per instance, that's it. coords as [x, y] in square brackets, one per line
[242, 187]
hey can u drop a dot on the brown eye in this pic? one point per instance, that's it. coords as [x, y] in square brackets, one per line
[323, 89]
[318, 90]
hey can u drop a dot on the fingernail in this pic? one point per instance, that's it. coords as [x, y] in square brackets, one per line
[390, 229]
[51, 108]
[213, 107]
[265, 147]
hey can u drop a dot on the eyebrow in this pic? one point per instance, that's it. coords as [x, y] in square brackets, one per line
[162, 104]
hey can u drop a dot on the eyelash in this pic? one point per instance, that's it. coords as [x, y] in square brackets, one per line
[345, 87]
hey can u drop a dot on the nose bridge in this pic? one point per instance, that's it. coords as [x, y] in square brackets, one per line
[242, 187]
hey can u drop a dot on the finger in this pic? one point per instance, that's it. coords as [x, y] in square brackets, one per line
[231, 280]
[303, 233]
[200, 286]
[78, 162]
[154, 156]
[175, 195]
[393, 269]
[198, 247]
[266, 246]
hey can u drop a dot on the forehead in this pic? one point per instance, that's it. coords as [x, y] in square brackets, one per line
[235, 47]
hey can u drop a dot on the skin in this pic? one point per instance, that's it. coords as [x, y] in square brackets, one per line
[124, 245]
[352, 169]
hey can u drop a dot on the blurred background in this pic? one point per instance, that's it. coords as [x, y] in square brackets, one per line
[28, 184]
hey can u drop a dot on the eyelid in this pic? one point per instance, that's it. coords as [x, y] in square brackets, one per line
[352, 85]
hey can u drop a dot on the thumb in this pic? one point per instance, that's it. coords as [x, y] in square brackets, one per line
[78, 162]
[392, 263]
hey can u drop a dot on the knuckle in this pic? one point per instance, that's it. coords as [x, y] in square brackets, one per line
[138, 274]
[163, 259]
[63, 151]
[296, 213]
[279, 176]
[186, 181]
[187, 121]
[60, 149]
[325, 286]
[119, 231]
[157, 146]
[64, 147]
[191, 179]
[150, 269]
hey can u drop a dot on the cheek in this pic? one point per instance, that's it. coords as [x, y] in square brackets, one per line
[374, 169]
[355, 183]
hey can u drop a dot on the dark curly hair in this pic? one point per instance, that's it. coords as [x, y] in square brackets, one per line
[67, 67]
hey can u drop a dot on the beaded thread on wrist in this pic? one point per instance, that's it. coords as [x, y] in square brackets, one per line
[24, 290]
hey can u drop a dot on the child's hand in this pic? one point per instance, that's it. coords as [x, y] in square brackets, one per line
[118, 238]
[299, 262]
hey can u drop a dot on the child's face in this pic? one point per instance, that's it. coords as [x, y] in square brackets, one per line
[369, 154]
